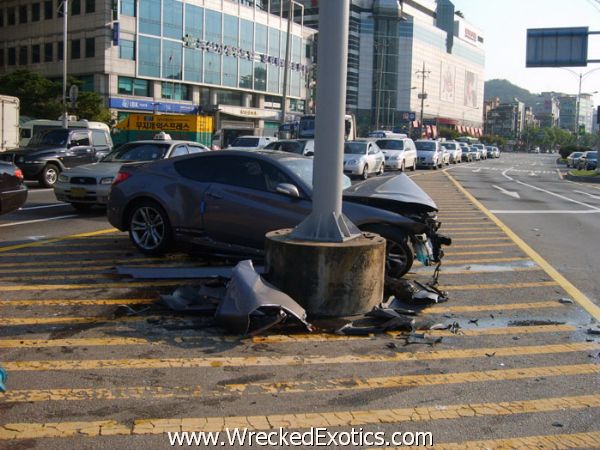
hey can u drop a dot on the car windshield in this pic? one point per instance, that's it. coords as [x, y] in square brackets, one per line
[576, 154]
[449, 146]
[303, 169]
[53, 137]
[425, 146]
[592, 155]
[390, 144]
[137, 152]
[355, 148]
[245, 142]
[473, 150]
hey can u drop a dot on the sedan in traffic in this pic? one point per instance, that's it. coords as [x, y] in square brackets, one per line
[573, 159]
[429, 154]
[363, 158]
[13, 192]
[90, 184]
[225, 203]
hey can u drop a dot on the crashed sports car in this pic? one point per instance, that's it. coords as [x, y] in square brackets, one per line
[225, 202]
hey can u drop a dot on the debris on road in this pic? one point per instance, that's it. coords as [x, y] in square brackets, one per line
[414, 292]
[533, 323]
[3, 377]
[173, 273]
[421, 338]
[204, 299]
[566, 301]
[595, 330]
[489, 355]
[455, 328]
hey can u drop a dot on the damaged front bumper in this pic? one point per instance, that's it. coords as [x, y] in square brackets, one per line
[429, 245]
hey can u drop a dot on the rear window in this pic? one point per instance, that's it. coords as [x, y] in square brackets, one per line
[355, 148]
[449, 146]
[390, 144]
[427, 146]
[99, 138]
[246, 142]
[138, 152]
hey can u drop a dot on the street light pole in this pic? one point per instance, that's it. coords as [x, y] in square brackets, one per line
[423, 73]
[65, 117]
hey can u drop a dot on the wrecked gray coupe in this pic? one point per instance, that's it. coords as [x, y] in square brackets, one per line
[225, 202]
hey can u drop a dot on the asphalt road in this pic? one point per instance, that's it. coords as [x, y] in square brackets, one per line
[521, 371]
[560, 219]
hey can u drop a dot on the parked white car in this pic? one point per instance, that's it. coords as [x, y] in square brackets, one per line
[250, 142]
[482, 150]
[400, 153]
[429, 153]
[454, 151]
[362, 158]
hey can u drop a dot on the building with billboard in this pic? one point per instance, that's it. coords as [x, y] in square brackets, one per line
[223, 58]
[393, 44]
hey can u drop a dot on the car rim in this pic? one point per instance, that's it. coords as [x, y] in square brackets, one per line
[147, 228]
[396, 259]
[365, 173]
[51, 175]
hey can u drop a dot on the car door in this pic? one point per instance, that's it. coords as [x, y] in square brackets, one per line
[80, 150]
[101, 144]
[374, 156]
[242, 204]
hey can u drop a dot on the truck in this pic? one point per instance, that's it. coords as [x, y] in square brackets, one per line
[9, 122]
[37, 127]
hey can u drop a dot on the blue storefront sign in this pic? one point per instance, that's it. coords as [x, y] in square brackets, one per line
[145, 105]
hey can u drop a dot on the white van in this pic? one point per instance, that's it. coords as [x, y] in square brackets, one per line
[33, 127]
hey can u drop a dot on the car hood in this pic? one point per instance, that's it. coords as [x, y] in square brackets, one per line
[349, 156]
[99, 169]
[389, 192]
[392, 152]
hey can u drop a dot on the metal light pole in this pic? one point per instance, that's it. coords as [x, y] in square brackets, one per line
[65, 117]
[326, 222]
[422, 95]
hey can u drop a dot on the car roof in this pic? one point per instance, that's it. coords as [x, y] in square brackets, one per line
[165, 141]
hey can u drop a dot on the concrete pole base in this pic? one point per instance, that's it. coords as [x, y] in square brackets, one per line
[328, 279]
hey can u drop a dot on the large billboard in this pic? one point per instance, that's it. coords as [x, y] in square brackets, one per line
[470, 89]
[557, 47]
[447, 81]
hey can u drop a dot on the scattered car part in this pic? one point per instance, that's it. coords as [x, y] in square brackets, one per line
[159, 273]
[3, 377]
[204, 299]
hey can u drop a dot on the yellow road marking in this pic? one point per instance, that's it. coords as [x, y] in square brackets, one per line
[475, 287]
[483, 260]
[20, 321]
[508, 245]
[475, 233]
[483, 252]
[90, 268]
[576, 294]
[82, 276]
[116, 251]
[454, 229]
[550, 441]
[500, 331]
[449, 271]
[283, 360]
[487, 308]
[332, 419]
[452, 222]
[293, 386]
[47, 287]
[75, 302]
[492, 239]
[86, 342]
[49, 241]
[165, 260]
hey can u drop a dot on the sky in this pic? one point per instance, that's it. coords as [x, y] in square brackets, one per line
[504, 24]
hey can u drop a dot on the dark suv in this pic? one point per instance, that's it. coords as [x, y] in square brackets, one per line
[50, 153]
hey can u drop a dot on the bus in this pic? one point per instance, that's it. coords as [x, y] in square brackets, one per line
[306, 127]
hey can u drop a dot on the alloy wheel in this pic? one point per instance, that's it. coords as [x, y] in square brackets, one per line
[148, 228]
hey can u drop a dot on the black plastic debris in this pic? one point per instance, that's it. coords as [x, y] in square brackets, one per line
[421, 338]
[566, 301]
[594, 330]
[251, 305]
[414, 292]
[387, 316]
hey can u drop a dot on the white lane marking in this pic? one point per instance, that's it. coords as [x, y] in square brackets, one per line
[31, 191]
[532, 174]
[510, 193]
[548, 192]
[41, 207]
[37, 220]
[555, 211]
[588, 194]
[477, 170]
[36, 238]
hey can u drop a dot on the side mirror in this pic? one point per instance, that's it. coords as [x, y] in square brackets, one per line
[309, 153]
[288, 189]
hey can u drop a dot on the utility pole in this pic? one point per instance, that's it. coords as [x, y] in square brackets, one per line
[65, 117]
[423, 95]
[577, 110]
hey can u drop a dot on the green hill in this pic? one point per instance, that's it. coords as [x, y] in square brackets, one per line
[508, 92]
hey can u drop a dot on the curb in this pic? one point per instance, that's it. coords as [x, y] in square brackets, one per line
[595, 180]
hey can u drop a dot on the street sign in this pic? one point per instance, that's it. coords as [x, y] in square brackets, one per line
[557, 47]
[422, 96]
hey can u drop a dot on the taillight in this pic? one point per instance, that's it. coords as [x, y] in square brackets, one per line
[121, 176]
[19, 174]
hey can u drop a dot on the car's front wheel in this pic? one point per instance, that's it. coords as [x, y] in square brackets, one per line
[399, 254]
[149, 228]
[365, 172]
[49, 175]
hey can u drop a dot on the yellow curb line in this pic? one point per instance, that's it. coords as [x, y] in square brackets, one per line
[49, 241]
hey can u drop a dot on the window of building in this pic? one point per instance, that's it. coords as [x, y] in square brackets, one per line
[229, 98]
[193, 65]
[149, 12]
[230, 30]
[128, 7]
[23, 56]
[260, 77]
[194, 17]
[23, 14]
[12, 56]
[127, 49]
[273, 83]
[213, 26]
[274, 36]
[171, 60]
[48, 10]
[35, 12]
[212, 68]
[246, 35]
[59, 50]
[48, 52]
[11, 16]
[148, 60]
[1, 17]
[90, 47]
[75, 7]
[90, 6]
[245, 74]
[133, 86]
[172, 19]
[87, 83]
[75, 48]
[230, 71]
[35, 54]
[175, 91]
[260, 39]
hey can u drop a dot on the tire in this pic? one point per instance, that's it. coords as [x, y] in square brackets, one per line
[381, 169]
[49, 175]
[82, 206]
[365, 172]
[149, 228]
[399, 254]
[414, 166]
[402, 167]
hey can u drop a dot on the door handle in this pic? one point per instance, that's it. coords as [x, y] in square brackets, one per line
[215, 196]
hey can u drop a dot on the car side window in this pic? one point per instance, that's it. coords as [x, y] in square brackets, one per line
[274, 176]
[195, 149]
[236, 171]
[80, 139]
[180, 150]
[204, 170]
[247, 173]
[99, 138]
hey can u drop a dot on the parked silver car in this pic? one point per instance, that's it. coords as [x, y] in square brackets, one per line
[429, 154]
[363, 158]
[454, 151]
[305, 147]
[89, 185]
[203, 200]
[573, 159]
[400, 153]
